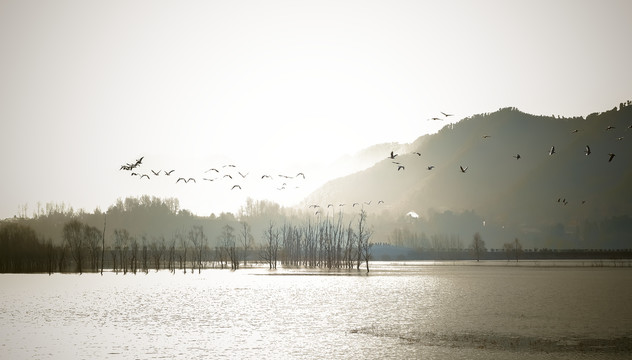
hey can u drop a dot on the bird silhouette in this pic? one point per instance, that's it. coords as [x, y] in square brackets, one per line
[236, 187]
[181, 178]
[431, 167]
[243, 175]
[611, 157]
[587, 151]
[354, 204]
[393, 155]
[300, 174]
[156, 172]
[436, 118]
[212, 169]
[446, 115]
[380, 202]
[463, 169]
[266, 176]
[418, 153]
[517, 156]
[401, 167]
[610, 127]
[169, 172]
[228, 176]
[552, 151]
[144, 175]
[486, 136]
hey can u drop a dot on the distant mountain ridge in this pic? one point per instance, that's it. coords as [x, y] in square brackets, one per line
[497, 185]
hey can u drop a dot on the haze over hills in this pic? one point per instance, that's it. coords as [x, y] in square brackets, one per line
[564, 200]
[535, 191]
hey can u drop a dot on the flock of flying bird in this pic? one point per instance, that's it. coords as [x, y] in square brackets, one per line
[463, 169]
[212, 171]
[400, 167]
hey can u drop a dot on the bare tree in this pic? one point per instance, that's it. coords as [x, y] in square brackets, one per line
[103, 242]
[271, 246]
[228, 246]
[517, 248]
[478, 246]
[199, 241]
[246, 239]
[364, 246]
[73, 237]
[92, 237]
[121, 242]
[183, 254]
[157, 250]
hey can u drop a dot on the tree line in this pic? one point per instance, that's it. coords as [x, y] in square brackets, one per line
[320, 242]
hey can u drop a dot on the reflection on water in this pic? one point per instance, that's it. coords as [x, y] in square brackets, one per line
[400, 310]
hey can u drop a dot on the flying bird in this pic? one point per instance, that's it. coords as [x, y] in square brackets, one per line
[436, 118]
[446, 115]
[156, 172]
[207, 179]
[144, 175]
[169, 172]
[517, 156]
[354, 204]
[227, 175]
[611, 157]
[183, 179]
[229, 165]
[266, 176]
[431, 167]
[418, 153]
[314, 206]
[236, 186]
[552, 151]
[212, 169]
[191, 179]
[486, 136]
[610, 127]
[587, 151]
[400, 167]
[243, 175]
[380, 202]
[300, 174]
[463, 169]
[393, 155]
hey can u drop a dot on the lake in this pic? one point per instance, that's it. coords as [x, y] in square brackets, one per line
[401, 310]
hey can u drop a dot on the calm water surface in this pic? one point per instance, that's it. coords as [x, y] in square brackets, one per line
[400, 310]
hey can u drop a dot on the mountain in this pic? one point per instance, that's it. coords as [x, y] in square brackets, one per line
[532, 193]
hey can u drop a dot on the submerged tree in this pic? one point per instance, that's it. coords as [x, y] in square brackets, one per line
[478, 246]
[364, 246]
[270, 248]
[73, 237]
[246, 239]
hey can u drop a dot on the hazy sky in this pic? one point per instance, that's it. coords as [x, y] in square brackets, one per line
[274, 87]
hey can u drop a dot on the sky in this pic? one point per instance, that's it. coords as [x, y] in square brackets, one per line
[273, 87]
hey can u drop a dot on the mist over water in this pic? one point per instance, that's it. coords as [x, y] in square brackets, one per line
[400, 310]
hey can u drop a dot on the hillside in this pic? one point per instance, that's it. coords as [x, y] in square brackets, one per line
[504, 191]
